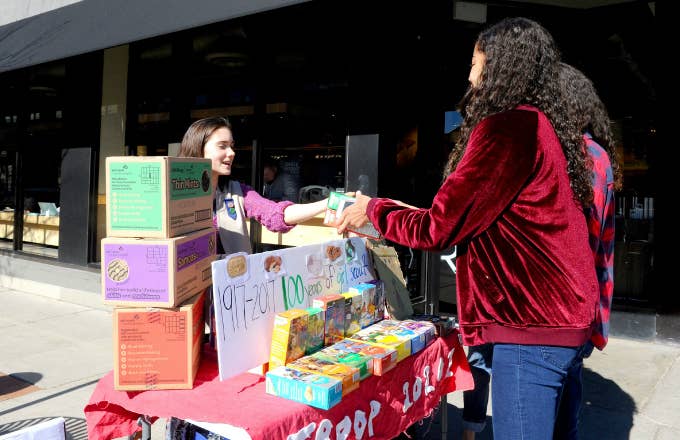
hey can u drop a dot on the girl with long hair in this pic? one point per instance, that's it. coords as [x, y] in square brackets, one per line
[235, 202]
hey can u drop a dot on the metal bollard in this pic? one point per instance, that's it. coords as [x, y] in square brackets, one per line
[144, 422]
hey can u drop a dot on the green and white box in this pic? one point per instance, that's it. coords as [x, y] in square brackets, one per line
[157, 196]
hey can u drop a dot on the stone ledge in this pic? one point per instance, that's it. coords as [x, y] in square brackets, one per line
[78, 286]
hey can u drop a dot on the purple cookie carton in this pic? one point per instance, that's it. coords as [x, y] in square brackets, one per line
[156, 272]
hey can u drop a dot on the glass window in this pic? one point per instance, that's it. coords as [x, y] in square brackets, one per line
[41, 157]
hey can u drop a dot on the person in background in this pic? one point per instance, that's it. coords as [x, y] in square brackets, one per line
[31, 205]
[235, 202]
[512, 202]
[476, 401]
[278, 185]
[590, 116]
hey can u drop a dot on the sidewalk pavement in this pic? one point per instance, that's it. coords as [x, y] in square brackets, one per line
[53, 352]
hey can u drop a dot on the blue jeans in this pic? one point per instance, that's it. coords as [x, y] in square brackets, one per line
[566, 426]
[526, 389]
[475, 401]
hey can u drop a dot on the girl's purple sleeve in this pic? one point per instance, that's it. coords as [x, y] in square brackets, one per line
[267, 212]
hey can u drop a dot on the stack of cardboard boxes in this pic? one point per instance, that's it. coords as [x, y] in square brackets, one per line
[156, 267]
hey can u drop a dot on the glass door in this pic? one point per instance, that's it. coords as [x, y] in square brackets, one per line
[41, 152]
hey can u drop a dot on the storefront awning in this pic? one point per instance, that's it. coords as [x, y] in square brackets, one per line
[91, 25]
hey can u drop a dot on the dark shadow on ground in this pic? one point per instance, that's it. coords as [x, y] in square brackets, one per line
[431, 428]
[607, 411]
[606, 414]
[76, 428]
[18, 381]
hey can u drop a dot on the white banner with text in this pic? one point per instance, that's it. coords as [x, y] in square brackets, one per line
[248, 291]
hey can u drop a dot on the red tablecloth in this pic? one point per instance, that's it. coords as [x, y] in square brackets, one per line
[381, 408]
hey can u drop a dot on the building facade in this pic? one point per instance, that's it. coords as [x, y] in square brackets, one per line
[304, 83]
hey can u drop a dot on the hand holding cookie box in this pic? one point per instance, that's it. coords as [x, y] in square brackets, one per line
[337, 202]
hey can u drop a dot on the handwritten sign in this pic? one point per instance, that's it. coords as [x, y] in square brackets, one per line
[249, 290]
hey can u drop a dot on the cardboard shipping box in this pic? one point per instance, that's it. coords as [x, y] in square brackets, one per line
[157, 196]
[155, 272]
[157, 348]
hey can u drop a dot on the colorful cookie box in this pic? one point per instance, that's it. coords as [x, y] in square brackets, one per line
[315, 330]
[379, 299]
[337, 202]
[367, 292]
[345, 357]
[424, 328]
[350, 376]
[384, 358]
[353, 305]
[300, 386]
[376, 335]
[418, 340]
[443, 325]
[288, 337]
[333, 306]
[332, 205]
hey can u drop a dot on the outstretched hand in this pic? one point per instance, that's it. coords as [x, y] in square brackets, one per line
[354, 216]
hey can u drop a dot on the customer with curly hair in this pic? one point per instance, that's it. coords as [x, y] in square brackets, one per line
[512, 201]
[588, 112]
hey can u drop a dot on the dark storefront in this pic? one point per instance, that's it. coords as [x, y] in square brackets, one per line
[304, 85]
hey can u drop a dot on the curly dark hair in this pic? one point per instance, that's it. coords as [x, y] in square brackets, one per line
[589, 113]
[522, 67]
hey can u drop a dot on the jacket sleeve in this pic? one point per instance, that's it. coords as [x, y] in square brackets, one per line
[267, 212]
[499, 159]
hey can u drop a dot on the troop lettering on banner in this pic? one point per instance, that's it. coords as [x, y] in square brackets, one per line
[372, 411]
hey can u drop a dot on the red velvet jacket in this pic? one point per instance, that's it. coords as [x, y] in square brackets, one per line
[525, 271]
